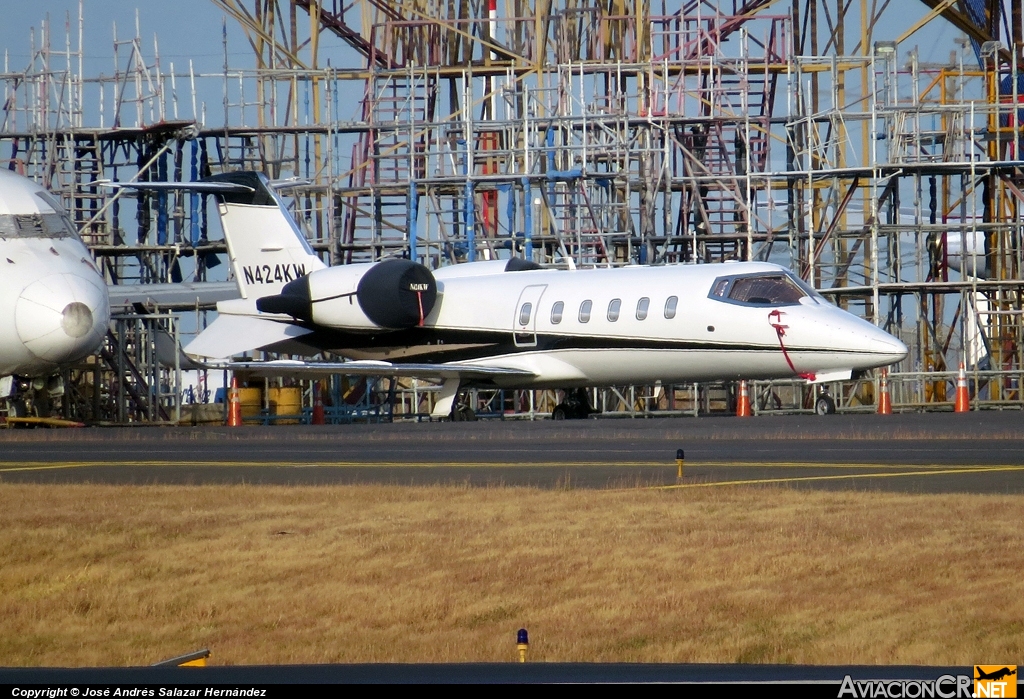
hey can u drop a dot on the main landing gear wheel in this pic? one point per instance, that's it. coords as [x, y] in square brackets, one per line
[824, 405]
[576, 406]
[570, 411]
[463, 413]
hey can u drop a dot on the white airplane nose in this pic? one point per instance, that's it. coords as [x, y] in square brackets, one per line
[889, 346]
[62, 317]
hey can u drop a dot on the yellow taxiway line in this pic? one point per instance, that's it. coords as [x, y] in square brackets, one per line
[31, 465]
[798, 479]
[891, 471]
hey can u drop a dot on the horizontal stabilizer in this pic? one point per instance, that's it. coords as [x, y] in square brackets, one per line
[201, 187]
[299, 369]
[230, 335]
[178, 296]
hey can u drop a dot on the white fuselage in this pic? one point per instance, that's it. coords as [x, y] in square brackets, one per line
[525, 327]
[53, 302]
[706, 338]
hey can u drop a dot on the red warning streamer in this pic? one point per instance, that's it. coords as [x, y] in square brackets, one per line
[780, 330]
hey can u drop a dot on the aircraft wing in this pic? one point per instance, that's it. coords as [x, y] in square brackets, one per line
[300, 369]
[229, 335]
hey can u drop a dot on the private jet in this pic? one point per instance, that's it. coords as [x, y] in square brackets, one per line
[54, 309]
[513, 324]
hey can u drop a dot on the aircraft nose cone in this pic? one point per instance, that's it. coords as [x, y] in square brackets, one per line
[891, 347]
[62, 317]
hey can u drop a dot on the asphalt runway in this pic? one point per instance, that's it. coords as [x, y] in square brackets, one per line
[795, 680]
[925, 453]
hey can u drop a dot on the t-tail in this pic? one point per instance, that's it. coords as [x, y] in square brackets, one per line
[266, 247]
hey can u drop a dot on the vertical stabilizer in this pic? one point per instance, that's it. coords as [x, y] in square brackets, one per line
[266, 247]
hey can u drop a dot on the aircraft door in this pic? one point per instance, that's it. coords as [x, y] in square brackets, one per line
[524, 324]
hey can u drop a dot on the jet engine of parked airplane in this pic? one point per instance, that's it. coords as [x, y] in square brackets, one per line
[393, 294]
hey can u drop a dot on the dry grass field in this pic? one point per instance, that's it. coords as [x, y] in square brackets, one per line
[109, 575]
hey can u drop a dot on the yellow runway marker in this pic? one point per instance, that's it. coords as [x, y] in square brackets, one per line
[883, 474]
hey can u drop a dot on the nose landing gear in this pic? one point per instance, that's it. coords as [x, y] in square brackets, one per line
[39, 397]
[824, 404]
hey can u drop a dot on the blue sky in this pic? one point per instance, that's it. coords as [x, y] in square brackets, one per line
[186, 29]
[192, 29]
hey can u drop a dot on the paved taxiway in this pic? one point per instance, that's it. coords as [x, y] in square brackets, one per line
[976, 452]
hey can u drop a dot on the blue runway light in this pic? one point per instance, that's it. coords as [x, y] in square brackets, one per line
[522, 637]
[679, 454]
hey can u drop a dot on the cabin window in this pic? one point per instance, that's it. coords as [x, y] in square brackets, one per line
[613, 309]
[670, 307]
[524, 313]
[641, 308]
[556, 313]
[772, 289]
[585, 309]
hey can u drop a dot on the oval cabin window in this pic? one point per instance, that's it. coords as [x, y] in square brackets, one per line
[670, 307]
[641, 308]
[585, 309]
[556, 313]
[524, 313]
[613, 309]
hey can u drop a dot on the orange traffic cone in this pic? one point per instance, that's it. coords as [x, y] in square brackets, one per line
[743, 401]
[963, 397]
[234, 404]
[318, 406]
[884, 400]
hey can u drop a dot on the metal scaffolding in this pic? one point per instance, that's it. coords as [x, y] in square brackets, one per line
[601, 132]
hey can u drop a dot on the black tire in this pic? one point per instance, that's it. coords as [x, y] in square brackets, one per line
[561, 412]
[463, 413]
[824, 405]
[18, 408]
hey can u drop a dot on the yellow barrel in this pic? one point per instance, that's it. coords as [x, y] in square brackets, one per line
[251, 400]
[285, 401]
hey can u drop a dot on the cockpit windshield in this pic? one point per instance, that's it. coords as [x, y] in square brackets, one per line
[34, 226]
[766, 289]
[55, 224]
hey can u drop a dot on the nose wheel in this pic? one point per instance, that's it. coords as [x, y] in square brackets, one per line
[824, 405]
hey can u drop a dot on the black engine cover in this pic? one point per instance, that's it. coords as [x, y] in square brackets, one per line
[397, 293]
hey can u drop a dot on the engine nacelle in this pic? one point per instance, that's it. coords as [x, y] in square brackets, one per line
[965, 252]
[393, 294]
